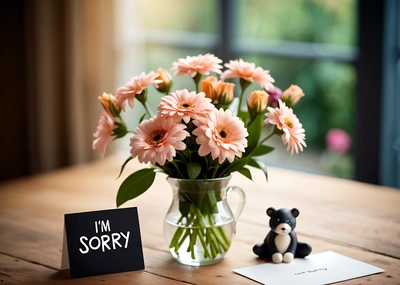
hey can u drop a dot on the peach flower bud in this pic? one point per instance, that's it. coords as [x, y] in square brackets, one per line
[105, 100]
[207, 85]
[224, 93]
[166, 78]
[292, 95]
[258, 101]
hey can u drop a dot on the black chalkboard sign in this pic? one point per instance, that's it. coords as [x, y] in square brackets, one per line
[103, 242]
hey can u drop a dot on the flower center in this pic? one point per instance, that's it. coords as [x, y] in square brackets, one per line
[288, 122]
[224, 134]
[185, 106]
[156, 137]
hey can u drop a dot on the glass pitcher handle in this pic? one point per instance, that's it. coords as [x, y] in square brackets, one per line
[240, 206]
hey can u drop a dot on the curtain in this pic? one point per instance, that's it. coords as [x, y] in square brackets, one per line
[67, 61]
[72, 63]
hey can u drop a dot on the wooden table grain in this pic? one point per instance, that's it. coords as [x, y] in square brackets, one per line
[354, 219]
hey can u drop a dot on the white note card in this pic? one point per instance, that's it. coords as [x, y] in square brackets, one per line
[321, 268]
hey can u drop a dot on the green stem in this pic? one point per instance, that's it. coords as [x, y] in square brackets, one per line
[179, 244]
[240, 102]
[200, 219]
[196, 79]
[177, 168]
[176, 237]
[148, 110]
[192, 243]
[266, 138]
[243, 85]
[215, 170]
[203, 243]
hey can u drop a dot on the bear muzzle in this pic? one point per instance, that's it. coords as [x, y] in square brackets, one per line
[283, 228]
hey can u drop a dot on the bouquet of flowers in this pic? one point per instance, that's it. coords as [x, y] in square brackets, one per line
[202, 133]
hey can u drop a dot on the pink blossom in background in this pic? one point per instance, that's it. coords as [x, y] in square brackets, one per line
[135, 86]
[222, 134]
[275, 94]
[338, 141]
[157, 140]
[191, 65]
[103, 133]
[249, 72]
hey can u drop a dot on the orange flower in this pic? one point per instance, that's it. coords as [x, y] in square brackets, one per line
[224, 93]
[292, 95]
[257, 102]
[166, 81]
[105, 100]
[207, 85]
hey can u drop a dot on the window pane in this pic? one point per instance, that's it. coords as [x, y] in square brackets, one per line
[188, 15]
[317, 21]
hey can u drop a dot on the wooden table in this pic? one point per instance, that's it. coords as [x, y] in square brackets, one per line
[354, 219]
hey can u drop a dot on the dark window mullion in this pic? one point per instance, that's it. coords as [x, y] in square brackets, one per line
[227, 28]
[369, 82]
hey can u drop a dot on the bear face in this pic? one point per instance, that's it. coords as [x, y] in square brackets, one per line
[282, 221]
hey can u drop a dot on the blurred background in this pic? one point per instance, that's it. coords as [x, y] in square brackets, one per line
[59, 56]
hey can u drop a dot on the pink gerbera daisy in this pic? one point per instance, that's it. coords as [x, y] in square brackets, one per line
[157, 140]
[203, 64]
[285, 120]
[103, 133]
[135, 86]
[182, 105]
[249, 72]
[223, 135]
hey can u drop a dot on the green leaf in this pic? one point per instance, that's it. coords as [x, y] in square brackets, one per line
[262, 149]
[194, 170]
[135, 185]
[142, 117]
[259, 165]
[123, 165]
[120, 131]
[246, 172]
[235, 166]
[254, 130]
[244, 115]
[113, 110]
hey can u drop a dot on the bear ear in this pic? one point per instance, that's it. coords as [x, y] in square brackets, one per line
[270, 211]
[295, 212]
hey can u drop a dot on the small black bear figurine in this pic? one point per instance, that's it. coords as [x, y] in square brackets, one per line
[281, 242]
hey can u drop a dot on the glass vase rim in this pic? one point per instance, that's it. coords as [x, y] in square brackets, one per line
[200, 180]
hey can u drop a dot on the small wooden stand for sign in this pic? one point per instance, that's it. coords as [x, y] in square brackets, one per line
[102, 242]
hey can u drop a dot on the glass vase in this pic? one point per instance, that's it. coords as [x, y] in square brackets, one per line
[199, 225]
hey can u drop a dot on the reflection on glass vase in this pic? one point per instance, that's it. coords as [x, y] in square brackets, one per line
[199, 224]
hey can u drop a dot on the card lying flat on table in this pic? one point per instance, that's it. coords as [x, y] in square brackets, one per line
[322, 268]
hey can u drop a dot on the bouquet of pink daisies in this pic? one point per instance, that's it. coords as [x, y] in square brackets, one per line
[204, 132]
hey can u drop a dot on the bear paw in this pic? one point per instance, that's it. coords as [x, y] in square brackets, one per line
[277, 257]
[288, 257]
